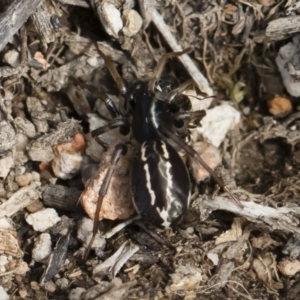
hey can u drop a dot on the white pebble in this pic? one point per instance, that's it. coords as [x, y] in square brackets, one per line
[217, 122]
[7, 137]
[62, 283]
[133, 22]
[22, 142]
[12, 57]
[3, 294]
[6, 223]
[19, 170]
[76, 294]
[23, 293]
[84, 233]
[68, 157]
[50, 286]
[23, 179]
[66, 165]
[190, 230]
[22, 268]
[6, 163]
[213, 257]
[3, 263]
[43, 219]
[42, 247]
[111, 19]
[246, 110]
[92, 61]
[285, 53]
[36, 176]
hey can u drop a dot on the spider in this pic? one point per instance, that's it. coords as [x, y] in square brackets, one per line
[159, 179]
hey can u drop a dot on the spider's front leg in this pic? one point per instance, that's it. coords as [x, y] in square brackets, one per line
[119, 150]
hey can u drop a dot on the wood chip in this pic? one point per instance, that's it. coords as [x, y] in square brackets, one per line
[280, 218]
[9, 244]
[112, 265]
[15, 16]
[281, 26]
[42, 23]
[57, 259]
[62, 197]
[20, 199]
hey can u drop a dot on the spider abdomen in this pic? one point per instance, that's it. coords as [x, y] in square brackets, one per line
[160, 184]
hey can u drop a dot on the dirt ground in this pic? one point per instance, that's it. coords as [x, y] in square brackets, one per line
[243, 58]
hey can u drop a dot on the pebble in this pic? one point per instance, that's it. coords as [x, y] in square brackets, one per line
[7, 137]
[23, 293]
[6, 223]
[84, 234]
[12, 57]
[43, 219]
[6, 163]
[35, 285]
[22, 142]
[62, 283]
[22, 268]
[3, 263]
[217, 122]
[111, 19]
[36, 176]
[68, 157]
[133, 22]
[50, 286]
[3, 294]
[42, 247]
[35, 206]
[76, 294]
[23, 179]
[280, 106]
[285, 53]
[190, 230]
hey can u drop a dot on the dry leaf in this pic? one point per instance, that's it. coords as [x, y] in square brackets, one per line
[262, 267]
[186, 278]
[263, 241]
[233, 234]
[112, 265]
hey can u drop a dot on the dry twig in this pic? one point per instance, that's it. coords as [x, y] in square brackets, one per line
[14, 17]
[197, 76]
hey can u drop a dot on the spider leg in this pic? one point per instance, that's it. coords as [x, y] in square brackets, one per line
[119, 150]
[184, 86]
[194, 117]
[116, 76]
[112, 124]
[113, 71]
[190, 151]
[100, 93]
[161, 65]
